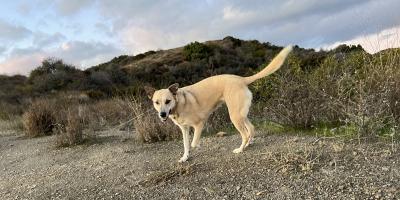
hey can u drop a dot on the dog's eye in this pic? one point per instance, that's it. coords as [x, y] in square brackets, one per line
[157, 102]
[167, 101]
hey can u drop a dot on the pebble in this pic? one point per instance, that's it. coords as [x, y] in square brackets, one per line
[385, 169]
[221, 134]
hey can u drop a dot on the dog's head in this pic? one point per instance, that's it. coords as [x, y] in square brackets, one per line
[164, 100]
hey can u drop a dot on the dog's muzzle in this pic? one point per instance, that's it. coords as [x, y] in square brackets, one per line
[163, 116]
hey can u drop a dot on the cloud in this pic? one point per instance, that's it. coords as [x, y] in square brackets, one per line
[42, 39]
[2, 49]
[10, 33]
[141, 39]
[372, 43]
[144, 25]
[79, 53]
[94, 31]
[70, 7]
[85, 53]
[21, 64]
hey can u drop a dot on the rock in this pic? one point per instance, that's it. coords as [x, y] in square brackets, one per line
[221, 134]
[385, 169]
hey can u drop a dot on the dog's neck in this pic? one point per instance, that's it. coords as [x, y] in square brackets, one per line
[180, 100]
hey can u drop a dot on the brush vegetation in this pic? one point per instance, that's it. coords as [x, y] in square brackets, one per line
[342, 91]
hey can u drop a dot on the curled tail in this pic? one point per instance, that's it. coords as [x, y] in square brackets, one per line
[274, 65]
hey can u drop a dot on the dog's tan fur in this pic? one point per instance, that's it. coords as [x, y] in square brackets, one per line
[190, 106]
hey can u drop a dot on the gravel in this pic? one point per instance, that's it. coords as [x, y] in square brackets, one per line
[114, 166]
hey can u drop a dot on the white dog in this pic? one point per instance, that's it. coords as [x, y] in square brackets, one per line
[191, 106]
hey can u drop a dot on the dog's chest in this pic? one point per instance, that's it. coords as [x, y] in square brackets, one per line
[181, 120]
[177, 120]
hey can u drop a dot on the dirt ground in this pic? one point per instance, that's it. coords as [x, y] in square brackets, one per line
[114, 166]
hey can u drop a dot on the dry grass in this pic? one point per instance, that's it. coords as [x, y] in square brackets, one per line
[218, 121]
[162, 177]
[307, 158]
[72, 132]
[108, 113]
[148, 127]
[354, 89]
[11, 126]
[39, 119]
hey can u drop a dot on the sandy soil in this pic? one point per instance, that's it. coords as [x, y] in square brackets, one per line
[114, 166]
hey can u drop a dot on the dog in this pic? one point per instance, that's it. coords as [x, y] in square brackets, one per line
[191, 106]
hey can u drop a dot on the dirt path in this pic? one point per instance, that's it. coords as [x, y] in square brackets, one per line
[275, 167]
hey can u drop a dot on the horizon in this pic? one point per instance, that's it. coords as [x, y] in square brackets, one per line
[87, 33]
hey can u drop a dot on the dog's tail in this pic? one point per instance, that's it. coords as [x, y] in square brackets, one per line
[274, 65]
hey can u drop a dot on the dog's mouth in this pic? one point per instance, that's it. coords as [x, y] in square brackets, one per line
[163, 119]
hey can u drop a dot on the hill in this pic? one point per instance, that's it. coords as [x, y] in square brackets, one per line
[186, 65]
[312, 88]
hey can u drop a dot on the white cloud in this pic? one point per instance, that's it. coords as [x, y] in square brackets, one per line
[372, 43]
[78, 53]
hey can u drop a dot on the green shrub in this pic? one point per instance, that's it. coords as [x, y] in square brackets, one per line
[196, 51]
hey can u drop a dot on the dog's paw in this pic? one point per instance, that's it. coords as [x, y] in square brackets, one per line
[195, 146]
[183, 159]
[238, 150]
[250, 142]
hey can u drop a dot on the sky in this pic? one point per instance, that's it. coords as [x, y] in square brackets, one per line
[88, 32]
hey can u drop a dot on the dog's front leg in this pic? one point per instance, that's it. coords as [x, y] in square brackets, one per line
[185, 136]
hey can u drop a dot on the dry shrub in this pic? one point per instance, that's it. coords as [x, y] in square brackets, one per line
[363, 89]
[353, 89]
[107, 113]
[218, 121]
[72, 132]
[39, 119]
[290, 99]
[148, 127]
[162, 177]
[296, 105]
[291, 158]
[12, 125]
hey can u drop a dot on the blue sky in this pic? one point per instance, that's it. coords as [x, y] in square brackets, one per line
[87, 32]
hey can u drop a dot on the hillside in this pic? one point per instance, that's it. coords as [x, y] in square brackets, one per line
[186, 65]
[312, 88]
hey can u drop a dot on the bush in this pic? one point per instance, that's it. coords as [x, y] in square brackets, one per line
[148, 127]
[196, 51]
[72, 132]
[218, 120]
[354, 89]
[106, 113]
[39, 119]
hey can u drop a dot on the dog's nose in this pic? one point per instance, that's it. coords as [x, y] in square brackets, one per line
[163, 114]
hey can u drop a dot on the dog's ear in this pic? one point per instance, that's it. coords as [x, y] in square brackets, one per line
[149, 91]
[173, 88]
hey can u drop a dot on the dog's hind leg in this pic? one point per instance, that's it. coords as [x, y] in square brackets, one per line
[250, 129]
[198, 128]
[240, 126]
[238, 102]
